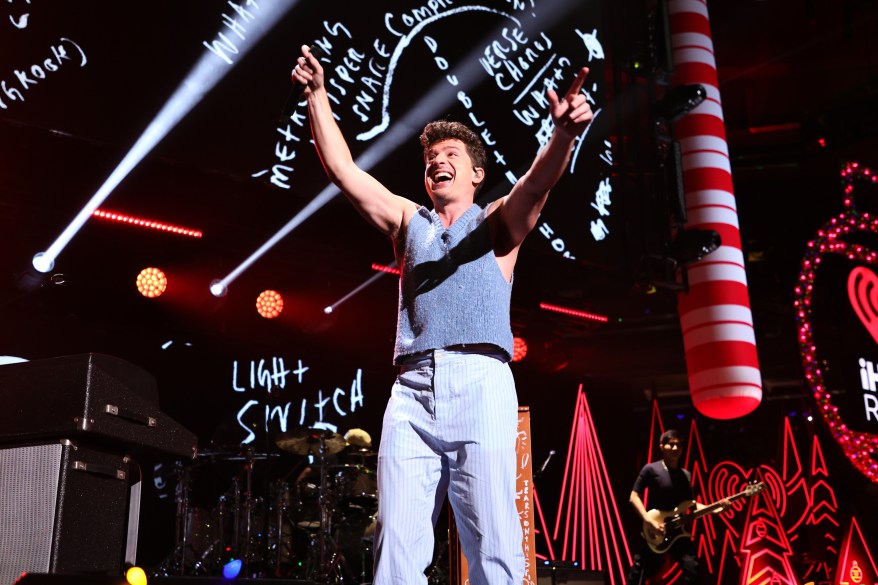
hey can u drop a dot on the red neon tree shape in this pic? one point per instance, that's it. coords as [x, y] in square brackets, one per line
[822, 512]
[592, 529]
[765, 548]
[855, 563]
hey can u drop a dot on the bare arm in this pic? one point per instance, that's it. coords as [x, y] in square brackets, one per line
[519, 210]
[386, 211]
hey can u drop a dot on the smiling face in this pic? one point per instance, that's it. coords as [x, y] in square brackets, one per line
[454, 161]
[449, 172]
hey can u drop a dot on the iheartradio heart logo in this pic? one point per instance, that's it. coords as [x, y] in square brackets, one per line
[728, 478]
[863, 293]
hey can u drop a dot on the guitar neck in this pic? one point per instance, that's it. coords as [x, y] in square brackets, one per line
[710, 508]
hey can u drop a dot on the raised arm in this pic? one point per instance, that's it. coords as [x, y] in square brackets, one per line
[519, 210]
[386, 211]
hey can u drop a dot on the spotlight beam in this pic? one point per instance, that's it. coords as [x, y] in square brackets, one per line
[201, 79]
[362, 286]
[324, 197]
[386, 144]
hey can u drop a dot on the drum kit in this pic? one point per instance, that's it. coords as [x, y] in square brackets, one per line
[316, 526]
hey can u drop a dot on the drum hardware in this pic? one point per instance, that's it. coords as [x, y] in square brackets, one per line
[283, 545]
[308, 441]
[247, 552]
[362, 456]
[184, 559]
[277, 525]
[330, 560]
[356, 487]
[240, 455]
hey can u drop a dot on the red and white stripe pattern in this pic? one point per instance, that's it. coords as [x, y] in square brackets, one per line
[715, 316]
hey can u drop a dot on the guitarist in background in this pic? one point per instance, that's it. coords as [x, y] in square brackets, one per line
[669, 486]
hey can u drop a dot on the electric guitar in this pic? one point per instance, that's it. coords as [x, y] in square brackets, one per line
[678, 522]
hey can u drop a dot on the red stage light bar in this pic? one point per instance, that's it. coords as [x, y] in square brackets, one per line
[387, 269]
[146, 223]
[575, 313]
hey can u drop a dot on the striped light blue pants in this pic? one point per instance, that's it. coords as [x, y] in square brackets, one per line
[450, 427]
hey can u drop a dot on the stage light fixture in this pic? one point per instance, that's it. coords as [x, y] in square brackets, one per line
[574, 313]
[360, 287]
[152, 282]
[269, 304]
[218, 288]
[692, 245]
[384, 268]
[147, 223]
[519, 349]
[135, 576]
[679, 101]
[43, 262]
[232, 569]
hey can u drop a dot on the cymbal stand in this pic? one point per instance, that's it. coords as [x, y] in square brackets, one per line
[246, 535]
[247, 509]
[282, 538]
[182, 501]
[330, 562]
[175, 563]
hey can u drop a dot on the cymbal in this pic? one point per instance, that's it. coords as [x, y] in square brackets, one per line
[308, 441]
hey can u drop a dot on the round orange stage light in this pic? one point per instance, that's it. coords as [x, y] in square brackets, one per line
[152, 282]
[519, 349]
[269, 304]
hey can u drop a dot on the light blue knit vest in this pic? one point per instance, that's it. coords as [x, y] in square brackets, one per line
[451, 291]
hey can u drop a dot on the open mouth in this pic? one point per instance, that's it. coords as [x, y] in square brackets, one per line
[441, 177]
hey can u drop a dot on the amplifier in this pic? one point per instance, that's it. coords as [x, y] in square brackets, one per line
[103, 398]
[63, 508]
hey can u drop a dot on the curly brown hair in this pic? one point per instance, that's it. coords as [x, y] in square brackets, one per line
[446, 130]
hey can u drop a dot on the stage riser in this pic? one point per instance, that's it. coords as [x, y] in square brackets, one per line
[569, 576]
[66, 579]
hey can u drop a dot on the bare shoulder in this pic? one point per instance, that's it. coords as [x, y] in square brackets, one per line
[406, 210]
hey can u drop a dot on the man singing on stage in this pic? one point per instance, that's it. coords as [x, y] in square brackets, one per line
[451, 422]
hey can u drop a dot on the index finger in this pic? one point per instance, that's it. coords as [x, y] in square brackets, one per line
[577, 83]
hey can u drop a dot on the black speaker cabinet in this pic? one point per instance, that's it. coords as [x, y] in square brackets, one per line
[64, 507]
